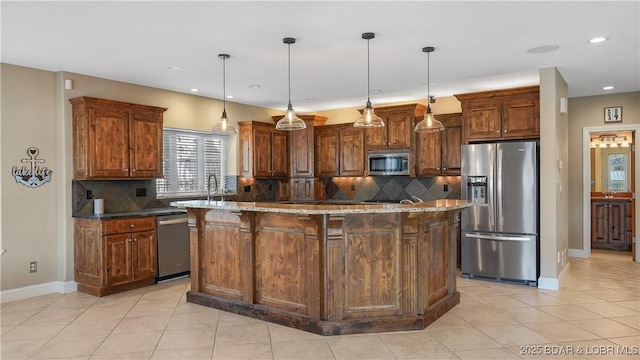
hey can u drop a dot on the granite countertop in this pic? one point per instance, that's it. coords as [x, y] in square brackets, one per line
[326, 207]
[143, 212]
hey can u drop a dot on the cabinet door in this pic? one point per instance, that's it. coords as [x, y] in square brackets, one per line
[109, 134]
[399, 129]
[262, 152]
[117, 258]
[246, 151]
[146, 144]
[326, 152]
[377, 137]
[279, 154]
[302, 151]
[351, 151]
[599, 232]
[451, 142]
[143, 247]
[483, 119]
[428, 153]
[302, 189]
[521, 118]
[617, 231]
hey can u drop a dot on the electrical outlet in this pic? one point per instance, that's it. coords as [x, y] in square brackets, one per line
[445, 188]
[89, 194]
[140, 192]
[247, 188]
[33, 266]
[353, 186]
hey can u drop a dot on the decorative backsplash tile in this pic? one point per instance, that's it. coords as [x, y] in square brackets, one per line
[393, 188]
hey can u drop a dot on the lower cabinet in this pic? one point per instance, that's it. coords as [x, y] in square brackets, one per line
[609, 220]
[114, 255]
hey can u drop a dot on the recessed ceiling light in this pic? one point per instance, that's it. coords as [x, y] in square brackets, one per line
[174, 67]
[194, 90]
[598, 40]
[608, 87]
[543, 49]
[229, 96]
[254, 86]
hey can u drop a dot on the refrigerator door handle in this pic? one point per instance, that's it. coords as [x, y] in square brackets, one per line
[499, 192]
[498, 237]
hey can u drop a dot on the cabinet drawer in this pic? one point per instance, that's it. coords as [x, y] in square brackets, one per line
[116, 226]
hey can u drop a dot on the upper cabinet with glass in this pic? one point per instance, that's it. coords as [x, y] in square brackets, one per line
[611, 162]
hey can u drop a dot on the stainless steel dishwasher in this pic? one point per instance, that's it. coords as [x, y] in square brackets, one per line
[173, 246]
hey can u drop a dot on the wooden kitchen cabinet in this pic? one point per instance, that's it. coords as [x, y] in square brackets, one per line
[398, 130]
[114, 255]
[263, 150]
[501, 114]
[301, 146]
[609, 221]
[339, 151]
[116, 140]
[438, 153]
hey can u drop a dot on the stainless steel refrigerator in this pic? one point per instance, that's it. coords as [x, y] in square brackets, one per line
[500, 236]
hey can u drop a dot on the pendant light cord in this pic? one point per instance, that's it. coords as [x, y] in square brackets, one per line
[428, 80]
[289, 72]
[224, 85]
[368, 77]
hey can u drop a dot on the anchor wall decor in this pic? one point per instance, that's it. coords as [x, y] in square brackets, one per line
[35, 176]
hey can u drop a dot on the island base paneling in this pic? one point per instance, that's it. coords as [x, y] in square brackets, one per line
[329, 274]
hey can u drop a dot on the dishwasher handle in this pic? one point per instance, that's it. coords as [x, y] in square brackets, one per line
[173, 221]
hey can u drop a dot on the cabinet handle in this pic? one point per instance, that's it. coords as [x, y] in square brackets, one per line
[497, 131]
[134, 239]
[132, 226]
[129, 240]
[504, 131]
[445, 169]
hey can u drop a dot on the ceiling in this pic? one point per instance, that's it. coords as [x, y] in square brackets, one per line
[479, 45]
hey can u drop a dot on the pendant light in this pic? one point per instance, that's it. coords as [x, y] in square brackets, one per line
[368, 117]
[290, 121]
[223, 127]
[429, 123]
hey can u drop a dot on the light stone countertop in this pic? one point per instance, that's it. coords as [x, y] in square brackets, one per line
[325, 208]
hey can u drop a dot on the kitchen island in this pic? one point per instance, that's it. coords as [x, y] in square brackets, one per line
[326, 268]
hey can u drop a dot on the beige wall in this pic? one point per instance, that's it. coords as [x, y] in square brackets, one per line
[553, 177]
[587, 112]
[29, 218]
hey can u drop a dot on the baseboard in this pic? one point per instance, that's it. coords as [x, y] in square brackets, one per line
[551, 283]
[61, 287]
[578, 253]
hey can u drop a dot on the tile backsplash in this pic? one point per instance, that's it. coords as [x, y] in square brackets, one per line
[118, 195]
[362, 188]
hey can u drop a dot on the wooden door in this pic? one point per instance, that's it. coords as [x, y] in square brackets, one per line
[262, 152]
[302, 151]
[144, 254]
[279, 154]
[146, 144]
[302, 189]
[117, 259]
[351, 151]
[399, 129]
[451, 142]
[482, 119]
[326, 152]
[428, 153]
[599, 226]
[521, 117]
[109, 134]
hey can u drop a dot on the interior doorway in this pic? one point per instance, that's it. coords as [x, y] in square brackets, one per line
[610, 172]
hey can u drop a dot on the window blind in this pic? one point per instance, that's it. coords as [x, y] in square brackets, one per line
[189, 157]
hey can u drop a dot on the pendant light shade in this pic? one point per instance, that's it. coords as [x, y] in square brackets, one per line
[368, 117]
[290, 121]
[429, 123]
[223, 127]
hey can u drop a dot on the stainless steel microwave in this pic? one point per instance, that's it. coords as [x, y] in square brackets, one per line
[388, 162]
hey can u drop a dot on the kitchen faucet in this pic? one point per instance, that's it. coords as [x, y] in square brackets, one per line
[215, 178]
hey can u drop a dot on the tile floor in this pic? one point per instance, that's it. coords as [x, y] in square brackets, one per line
[597, 310]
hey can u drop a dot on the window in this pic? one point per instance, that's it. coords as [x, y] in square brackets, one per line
[189, 157]
[617, 172]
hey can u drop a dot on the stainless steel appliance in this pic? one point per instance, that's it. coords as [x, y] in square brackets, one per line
[388, 162]
[500, 236]
[173, 246]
